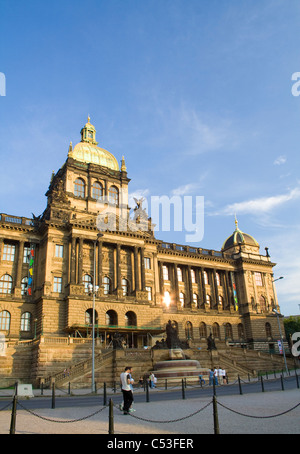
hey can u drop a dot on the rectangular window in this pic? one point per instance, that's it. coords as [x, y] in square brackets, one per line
[149, 291]
[57, 284]
[59, 251]
[9, 252]
[26, 254]
[165, 273]
[258, 279]
[193, 276]
[147, 263]
[179, 274]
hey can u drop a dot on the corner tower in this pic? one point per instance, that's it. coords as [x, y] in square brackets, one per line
[90, 175]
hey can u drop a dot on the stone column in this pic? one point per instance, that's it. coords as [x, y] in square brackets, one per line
[190, 287]
[80, 260]
[136, 269]
[19, 264]
[202, 286]
[176, 286]
[100, 243]
[143, 281]
[226, 290]
[216, 288]
[73, 261]
[118, 265]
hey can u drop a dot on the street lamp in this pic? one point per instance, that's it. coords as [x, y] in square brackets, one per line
[281, 277]
[94, 290]
[281, 338]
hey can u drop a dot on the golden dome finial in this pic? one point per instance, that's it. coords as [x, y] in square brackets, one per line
[89, 118]
[236, 223]
[123, 166]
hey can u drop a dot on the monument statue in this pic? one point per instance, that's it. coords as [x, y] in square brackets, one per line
[211, 343]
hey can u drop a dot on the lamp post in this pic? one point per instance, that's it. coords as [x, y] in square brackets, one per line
[281, 339]
[94, 290]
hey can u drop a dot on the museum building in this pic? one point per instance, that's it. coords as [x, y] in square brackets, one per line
[85, 251]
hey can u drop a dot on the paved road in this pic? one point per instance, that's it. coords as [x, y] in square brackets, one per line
[82, 398]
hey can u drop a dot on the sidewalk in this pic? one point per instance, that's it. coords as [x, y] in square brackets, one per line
[159, 417]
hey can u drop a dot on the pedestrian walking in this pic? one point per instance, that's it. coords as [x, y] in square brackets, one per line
[216, 376]
[126, 381]
[211, 377]
[224, 376]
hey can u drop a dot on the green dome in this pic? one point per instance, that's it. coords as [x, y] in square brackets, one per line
[238, 237]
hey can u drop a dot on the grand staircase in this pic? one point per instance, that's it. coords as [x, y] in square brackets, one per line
[61, 361]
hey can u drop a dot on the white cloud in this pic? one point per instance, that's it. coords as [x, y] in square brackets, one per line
[260, 205]
[280, 160]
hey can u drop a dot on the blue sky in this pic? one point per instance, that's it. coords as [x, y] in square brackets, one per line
[195, 94]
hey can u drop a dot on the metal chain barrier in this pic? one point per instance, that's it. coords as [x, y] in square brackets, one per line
[59, 421]
[171, 420]
[258, 417]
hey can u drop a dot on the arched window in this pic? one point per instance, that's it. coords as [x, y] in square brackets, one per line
[189, 331]
[130, 319]
[106, 285]
[88, 319]
[228, 331]
[268, 331]
[203, 330]
[26, 321]
[125, 287]
[262, 303]
[79, 188]
[24, 284]
[97, 190]
[216, 330]
[113, 195]
[4, 320]
[182, 299]
[111, 318]
[6, 284]
[87, 281]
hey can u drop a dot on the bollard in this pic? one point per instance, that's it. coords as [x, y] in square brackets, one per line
[104, 394]
[42, 388]
[53, 395]
[166, 383]
[282, 385]
[240, 386]
[147, 391]
[69, 388]
[214, 386]
[111, 417]
[12, 430]
[216, 418]
[183, 390]
[115, 387]
[262, 384]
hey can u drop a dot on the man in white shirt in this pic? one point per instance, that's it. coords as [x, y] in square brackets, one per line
[126, 381]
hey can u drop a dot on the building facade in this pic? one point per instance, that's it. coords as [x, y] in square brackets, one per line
[85, 252]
